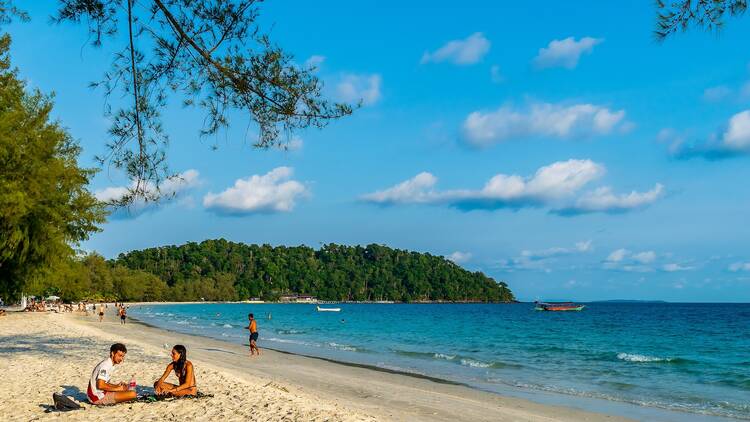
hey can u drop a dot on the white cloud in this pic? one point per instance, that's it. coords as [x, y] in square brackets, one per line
[461, 52]
[168, 189]
[416, 190]
[604, 200]
[737, 135]
[580, 247]
[295, 143]
[460, 257]
[554, 185]
[549, 183]
[716, 93]
[734, 141]
[354, 88]
[314, 61]
[269, 193]
[540, 119]
[565, 53]
[674, 267]
[495, 75]
[646, 257]
[739, 266]
[618, 255]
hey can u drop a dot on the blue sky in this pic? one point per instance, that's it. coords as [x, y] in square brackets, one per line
[557, 147]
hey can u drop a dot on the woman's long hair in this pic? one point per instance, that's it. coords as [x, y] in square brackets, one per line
[179, 366]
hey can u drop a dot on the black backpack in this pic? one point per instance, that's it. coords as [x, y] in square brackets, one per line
[64, 403]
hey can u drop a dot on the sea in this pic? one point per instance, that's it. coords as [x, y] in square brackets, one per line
[650, 361]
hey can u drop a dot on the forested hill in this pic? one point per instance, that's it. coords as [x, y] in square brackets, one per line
[215, 269]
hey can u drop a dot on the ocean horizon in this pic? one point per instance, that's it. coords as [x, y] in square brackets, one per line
[691, 358]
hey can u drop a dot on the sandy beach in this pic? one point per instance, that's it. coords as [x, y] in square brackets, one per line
[45, 353]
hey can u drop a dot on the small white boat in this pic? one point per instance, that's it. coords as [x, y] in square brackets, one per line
[327, 309]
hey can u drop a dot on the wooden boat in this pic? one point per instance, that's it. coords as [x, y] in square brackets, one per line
[328, 309]
[558, 306]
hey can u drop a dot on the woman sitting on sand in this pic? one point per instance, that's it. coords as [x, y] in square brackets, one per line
[183, 368]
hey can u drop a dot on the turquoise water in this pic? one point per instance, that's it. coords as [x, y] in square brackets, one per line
[688, 357]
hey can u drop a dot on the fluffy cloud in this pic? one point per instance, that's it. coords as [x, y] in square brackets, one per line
[548, 184]
[417, 190]
[674, 267]
[618, 255]
[553, 185]
[542, 260]
[604, 200]
[459, 257]
[734, 141]
[565, 53]
[314, 61]
[541, 119]
[739, 266]
[171, 188]
[641, 262]
[354, 88]
[579, 247]
[269, 193]
[461, 52]
[646, 257]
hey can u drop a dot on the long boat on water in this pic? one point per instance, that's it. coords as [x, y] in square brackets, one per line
[558, 306]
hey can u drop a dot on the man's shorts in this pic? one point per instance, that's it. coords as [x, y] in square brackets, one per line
[109, 398]
[254, 336]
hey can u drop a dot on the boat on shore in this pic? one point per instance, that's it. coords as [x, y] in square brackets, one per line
[319, 309]
[558, 306]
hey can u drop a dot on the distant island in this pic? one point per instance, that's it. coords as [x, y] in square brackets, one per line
[628, 301]
[220, 270]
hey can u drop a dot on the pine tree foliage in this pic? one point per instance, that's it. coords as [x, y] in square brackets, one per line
[674, 16]
[45, 207]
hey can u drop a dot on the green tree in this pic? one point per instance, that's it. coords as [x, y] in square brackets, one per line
[45, 207]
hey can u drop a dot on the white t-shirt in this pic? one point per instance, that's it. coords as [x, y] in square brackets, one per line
[103, 371]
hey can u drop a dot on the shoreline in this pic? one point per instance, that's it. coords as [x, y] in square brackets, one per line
[318, 389]
[610, 408]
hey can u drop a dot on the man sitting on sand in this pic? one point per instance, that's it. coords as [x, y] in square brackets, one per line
[183, 369]
[100, 391]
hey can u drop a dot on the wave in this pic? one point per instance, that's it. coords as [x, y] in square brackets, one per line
[710, 408]
[634, 357]
[343, 347]
[227, 325]
[290, 341]
[291, 331]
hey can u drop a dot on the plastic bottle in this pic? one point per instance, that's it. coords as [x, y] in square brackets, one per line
[132, 383]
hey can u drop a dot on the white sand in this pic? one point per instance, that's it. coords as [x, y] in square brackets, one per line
[44, 353]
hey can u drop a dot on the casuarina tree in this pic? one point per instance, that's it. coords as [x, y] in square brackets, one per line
[45, 207]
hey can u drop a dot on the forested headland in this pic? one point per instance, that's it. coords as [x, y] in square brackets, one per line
[223, 270]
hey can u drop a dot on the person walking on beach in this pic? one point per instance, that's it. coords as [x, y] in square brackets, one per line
[101, 312]
[123, 314]
[100, 391]
[183, 369]
[253, 327]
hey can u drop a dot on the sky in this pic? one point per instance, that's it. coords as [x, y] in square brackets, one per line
[555, 146]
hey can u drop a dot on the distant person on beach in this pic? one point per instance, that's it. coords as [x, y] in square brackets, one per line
[253, 327]
[101, 312]
[123, 315]
[100, 391]
[183, 369]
